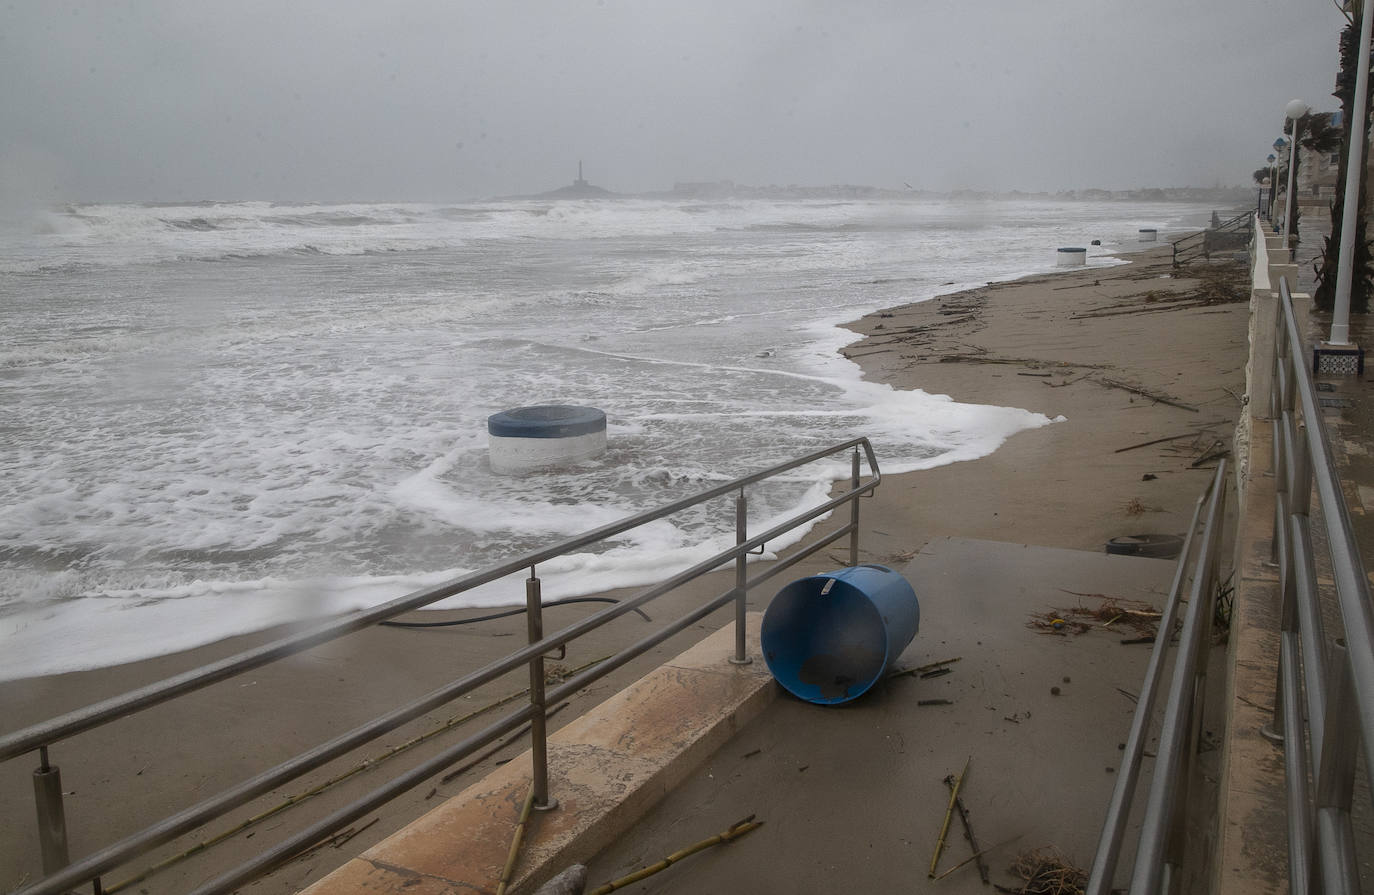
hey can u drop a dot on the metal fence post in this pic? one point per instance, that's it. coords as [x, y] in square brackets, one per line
[52, 817]
[539, 748]
[1335, 779]
[741, 656]
[854, 509]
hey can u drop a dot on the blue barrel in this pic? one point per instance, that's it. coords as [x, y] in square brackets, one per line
[829, 638]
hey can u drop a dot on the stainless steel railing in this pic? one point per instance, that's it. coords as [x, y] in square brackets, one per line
[1324, 702]
[1158, 853]
[61, 876]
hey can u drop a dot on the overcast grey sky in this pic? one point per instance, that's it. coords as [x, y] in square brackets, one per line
[451, 99]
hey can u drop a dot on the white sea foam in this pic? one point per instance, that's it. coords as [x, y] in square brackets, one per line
[198, 449]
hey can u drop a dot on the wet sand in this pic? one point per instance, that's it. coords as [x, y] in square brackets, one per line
[1101, 347]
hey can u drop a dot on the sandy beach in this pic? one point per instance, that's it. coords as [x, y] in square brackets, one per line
[1125, 355]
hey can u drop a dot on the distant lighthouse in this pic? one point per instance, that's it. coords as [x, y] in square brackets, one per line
[579, 181]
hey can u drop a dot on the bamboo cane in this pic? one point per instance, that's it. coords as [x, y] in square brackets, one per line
[290, 801]
[515, 843]
[949, 812]
[736, 830]
[975, 857]
[968, 834]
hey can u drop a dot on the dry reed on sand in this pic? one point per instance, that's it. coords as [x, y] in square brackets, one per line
[1046, 872]
[1112, 613]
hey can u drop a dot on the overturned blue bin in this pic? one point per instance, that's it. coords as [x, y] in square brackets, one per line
[829, 638]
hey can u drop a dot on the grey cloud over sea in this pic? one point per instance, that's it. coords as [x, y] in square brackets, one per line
[330, 101]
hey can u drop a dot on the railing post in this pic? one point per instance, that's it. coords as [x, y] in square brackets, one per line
[52, 817]
[539, 747]
[741, 656]
[854, 509]
[1335, 778]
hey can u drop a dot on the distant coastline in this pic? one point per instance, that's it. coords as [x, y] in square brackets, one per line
[728, 189]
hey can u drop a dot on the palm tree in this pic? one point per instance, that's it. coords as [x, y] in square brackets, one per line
[1326, 267]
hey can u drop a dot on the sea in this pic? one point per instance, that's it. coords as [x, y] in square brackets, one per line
[221, 416]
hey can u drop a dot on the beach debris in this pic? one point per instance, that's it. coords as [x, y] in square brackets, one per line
[495, 747]
[506, 613]
[1158, 546]
[366, 764]
[1131, 447]
[921, 670]
[949, 812]
[1046, 872]
[735, 831]
[1148, 477]
[920, 702]
[516, 841]
[968, 834]
[570, 882]
[1215, 452]
[1054, 691]
[751, 754]
[1153, 396]
[1135, 614]
[939, 672]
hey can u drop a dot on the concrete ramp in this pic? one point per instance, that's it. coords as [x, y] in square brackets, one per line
[852, 797]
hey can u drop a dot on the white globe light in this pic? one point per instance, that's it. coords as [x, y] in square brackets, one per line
[1296, 109]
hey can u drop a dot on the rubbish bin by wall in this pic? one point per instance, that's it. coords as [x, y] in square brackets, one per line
[829, 638]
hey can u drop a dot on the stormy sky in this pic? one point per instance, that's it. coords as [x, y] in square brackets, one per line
[452, 99]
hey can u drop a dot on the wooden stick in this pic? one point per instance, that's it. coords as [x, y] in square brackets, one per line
[366, 764]
[515, 843]
[922, 669]
[736, 830]
[500, 744]
[1151, 395]
[982, 866]
[1156, 441]
[972, 840]
[949, 811]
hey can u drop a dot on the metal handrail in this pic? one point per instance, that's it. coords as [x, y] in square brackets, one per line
[1323, 681]
[1180, 727]
[1196, 245]
[41, 736]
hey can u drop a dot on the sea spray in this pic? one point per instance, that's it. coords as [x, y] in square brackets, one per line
[223, 416]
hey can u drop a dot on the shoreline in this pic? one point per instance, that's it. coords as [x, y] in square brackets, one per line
[107, 637]
[1043, 342]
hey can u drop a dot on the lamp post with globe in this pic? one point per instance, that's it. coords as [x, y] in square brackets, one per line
[1273, 176]
[1293, 111]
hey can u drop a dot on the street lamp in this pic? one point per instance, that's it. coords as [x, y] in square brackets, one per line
[1345, 264]
[1273, 176]
[1280, 145]
[1293, 111]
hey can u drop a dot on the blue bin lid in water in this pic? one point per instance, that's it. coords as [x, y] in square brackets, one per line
[546, 421]
[1073, 249]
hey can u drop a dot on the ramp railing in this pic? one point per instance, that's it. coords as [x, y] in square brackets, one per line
[62, 876]
[1227, 235]
[1324, 701]
[1159, 851]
